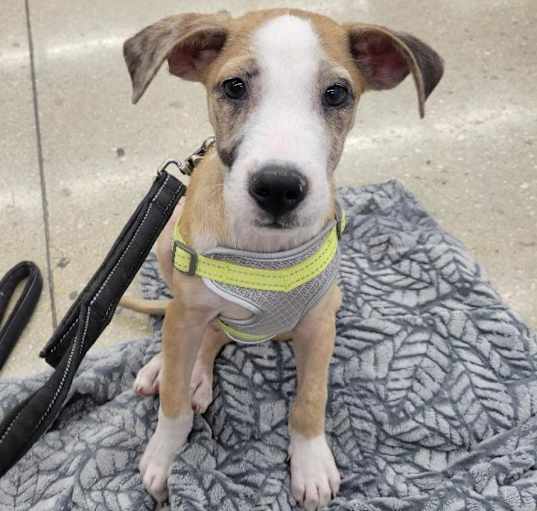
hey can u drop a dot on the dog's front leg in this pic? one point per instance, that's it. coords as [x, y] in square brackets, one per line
[314, 476]
[183, 330]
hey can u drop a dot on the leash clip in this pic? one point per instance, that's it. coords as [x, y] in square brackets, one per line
[163, 166]
[187, 166]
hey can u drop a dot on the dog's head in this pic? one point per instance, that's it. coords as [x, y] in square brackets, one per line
[282, 87]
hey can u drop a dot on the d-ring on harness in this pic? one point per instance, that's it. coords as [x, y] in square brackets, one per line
[88, 316]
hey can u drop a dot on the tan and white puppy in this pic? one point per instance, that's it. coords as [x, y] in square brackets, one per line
[282, 89]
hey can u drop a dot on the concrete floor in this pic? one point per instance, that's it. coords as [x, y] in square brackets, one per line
[76, 156]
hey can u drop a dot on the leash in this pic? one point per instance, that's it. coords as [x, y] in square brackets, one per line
[87, 317]
[23, 309]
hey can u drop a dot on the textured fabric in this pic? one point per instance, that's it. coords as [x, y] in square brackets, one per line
[432, 401]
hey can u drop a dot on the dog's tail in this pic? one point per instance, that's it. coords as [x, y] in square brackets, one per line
[151, 307]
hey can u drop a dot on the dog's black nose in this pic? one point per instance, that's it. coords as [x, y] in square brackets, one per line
[278, 189]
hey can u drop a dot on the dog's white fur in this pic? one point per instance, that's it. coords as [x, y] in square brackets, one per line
[171, 433]
[314, 475]
[285, 127]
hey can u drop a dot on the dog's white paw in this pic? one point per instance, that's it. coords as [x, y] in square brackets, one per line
[201, 387]
[170, 435]
[147, 383]
[148, 378]
[315, 478]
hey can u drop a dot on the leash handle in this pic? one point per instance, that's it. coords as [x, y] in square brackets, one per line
[87, 318]
[23, 309]
[115, 274]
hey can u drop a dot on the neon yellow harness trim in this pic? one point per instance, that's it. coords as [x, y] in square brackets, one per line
[262, 279]
[233, 333]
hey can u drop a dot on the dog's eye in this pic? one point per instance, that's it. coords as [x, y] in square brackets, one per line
[234, 88]
[335, 95]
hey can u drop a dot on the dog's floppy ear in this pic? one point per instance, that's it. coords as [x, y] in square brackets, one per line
[385, 58]
[190, 42]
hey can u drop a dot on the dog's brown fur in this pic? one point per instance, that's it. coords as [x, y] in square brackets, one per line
[207, 48]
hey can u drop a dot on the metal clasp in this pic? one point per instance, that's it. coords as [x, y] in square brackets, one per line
[187, 166]
[167, 163]
[193, 258]
[192, 161]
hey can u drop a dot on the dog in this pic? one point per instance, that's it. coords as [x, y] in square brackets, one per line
[282, 88]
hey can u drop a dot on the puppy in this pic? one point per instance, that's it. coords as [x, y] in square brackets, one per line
[282, 90]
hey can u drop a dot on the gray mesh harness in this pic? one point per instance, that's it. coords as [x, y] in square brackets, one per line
[273, 312]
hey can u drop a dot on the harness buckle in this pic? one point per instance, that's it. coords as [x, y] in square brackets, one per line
[340, 226]
[341, 223]
[193, 258]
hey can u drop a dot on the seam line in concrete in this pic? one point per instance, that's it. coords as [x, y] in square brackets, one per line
[40, 163]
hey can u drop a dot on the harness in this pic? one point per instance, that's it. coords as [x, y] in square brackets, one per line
[278, 289]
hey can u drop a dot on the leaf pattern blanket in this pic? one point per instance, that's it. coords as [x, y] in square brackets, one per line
[432, 401]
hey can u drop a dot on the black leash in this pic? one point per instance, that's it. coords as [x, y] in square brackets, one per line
[85, 320]
[23, 309]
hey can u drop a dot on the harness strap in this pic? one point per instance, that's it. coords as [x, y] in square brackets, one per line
[86, 319]
[188, 261]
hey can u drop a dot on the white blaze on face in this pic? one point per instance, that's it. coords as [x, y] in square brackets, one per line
[287, 121]
[286, 125]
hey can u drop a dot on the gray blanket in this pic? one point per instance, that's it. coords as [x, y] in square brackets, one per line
[432, 402]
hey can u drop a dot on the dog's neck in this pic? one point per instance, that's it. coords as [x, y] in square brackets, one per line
[205, 225]
[249, 237]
